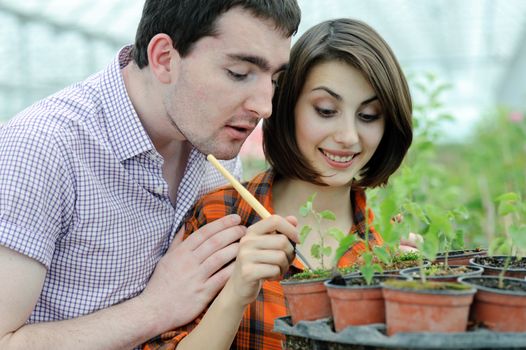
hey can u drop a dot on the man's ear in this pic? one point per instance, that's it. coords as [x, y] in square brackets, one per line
[163, 58]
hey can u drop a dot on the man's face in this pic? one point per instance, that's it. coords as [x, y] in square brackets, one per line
[224, 86]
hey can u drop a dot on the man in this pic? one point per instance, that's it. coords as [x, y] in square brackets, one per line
[95, 181]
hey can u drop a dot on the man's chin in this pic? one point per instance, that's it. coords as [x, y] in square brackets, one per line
[223, 154]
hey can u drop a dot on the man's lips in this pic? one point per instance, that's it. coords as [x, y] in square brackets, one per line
[239, 131]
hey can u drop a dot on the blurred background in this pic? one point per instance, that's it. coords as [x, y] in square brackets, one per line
[465, 60]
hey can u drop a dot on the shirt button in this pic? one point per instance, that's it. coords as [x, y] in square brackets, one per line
[159, 189]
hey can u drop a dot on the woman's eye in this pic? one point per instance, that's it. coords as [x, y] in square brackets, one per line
[325, 112]
[236, 76]
[368, 118]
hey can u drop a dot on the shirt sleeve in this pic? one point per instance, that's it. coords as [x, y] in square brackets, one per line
[33, 192]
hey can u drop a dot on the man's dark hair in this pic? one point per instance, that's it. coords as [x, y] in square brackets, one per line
[187, 21]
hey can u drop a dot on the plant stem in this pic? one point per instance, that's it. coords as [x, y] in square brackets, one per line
[317, 218]
[507, 262]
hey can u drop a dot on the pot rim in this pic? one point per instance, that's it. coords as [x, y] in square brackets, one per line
[306, 281]
[474, 270]
[328, 283]
[464, 279]
[471, 291]
[467, 252]
[489, 267]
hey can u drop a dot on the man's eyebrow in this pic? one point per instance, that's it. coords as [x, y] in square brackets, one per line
[258, 61]
[339, 98]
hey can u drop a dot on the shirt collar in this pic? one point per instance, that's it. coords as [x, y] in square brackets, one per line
[123, 126]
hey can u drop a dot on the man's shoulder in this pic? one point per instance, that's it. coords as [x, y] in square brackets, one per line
[70, 106]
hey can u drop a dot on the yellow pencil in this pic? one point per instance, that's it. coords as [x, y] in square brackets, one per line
[249, 198]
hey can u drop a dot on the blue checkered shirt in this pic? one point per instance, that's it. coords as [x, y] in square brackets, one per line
[82, 192]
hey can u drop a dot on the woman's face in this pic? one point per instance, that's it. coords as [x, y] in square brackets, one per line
[339, 121]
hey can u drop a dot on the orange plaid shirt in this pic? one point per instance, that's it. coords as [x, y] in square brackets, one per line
[255, 330]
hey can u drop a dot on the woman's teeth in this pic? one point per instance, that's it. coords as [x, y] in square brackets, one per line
[338, 159]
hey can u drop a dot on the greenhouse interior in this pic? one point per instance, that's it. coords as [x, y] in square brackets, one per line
[465, 61]
[459, 191]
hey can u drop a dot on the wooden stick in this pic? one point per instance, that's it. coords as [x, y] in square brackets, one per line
[250, 199]
[243, 192]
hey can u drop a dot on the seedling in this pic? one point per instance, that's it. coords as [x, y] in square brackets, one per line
[512, 211]
[323, 252]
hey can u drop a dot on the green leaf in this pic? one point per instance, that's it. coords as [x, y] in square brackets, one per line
[311, 197]
[367, 273]
[499, 246]
[430, 246]
[315, 251]
[388, 208]
[328, 215]
[461, 213]
[305, 230]
[508, 197]
[308, 204]
[382, 254]
[458, 241]
[336, 233]
[327, 251]
[304, 211]
[344, 246]
[518, 236]
[416, 211]
[378, 268]
[506, 208]
[367, 258]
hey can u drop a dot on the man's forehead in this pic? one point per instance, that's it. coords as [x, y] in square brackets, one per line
[242, 34]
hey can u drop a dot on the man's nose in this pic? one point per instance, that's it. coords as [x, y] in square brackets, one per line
[260, 101]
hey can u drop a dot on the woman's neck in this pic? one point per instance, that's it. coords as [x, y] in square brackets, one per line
[288, 195]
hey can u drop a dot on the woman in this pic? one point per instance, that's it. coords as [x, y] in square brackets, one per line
[341, 123]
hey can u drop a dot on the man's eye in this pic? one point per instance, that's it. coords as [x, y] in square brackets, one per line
[235, 75]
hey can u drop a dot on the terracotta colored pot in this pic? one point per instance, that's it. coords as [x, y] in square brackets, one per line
[306, 299]
[498, 309]
[460, 257]
[493, 270]
[354, 305]
[408, 310]
[414, 272]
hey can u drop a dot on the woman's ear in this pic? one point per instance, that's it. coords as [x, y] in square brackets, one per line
[163, 58]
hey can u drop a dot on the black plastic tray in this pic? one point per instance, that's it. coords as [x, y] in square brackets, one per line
[320, 335]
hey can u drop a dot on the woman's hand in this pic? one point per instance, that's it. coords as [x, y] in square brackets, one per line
[265, 253]
[410, 244]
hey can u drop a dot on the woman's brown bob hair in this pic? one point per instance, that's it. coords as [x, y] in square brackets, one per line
[359, 45]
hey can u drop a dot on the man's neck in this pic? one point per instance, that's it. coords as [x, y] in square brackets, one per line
[145, 94]
[146, 97]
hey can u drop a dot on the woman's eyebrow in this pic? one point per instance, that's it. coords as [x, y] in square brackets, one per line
[329, 91]
[369, 100]
[340, 98]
